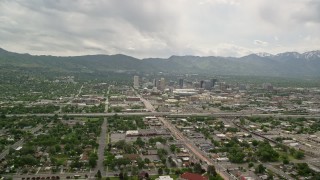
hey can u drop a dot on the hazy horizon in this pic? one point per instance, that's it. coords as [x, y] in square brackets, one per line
[155, 57]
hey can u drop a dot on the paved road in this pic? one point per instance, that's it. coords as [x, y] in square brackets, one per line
[80, 90]
[65, 175]
[195, 150]
[167, 114]
[102, 145]
[107, 101]
[61, 176]
[14, 146]
[179, 136]
[278, 171]
[147, 104]
[18, 143]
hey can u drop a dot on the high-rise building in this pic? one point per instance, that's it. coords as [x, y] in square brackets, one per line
[136, 84]
[180, 83]
[213, 82]
[267, 86]
[162, 84]
[223, 86]
[202, 84]
[155, 83]
[207, 85]
[242, 87]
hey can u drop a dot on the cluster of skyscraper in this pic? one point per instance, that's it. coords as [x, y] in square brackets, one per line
[160, 84]
[204, 84]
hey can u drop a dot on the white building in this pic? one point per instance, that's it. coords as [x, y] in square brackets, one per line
[136, 82]
[162, 84]
[164, 178]
[132, 133]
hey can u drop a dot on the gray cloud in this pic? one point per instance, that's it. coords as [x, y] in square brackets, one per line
[309, 13]
[144, 28]
[260, 43]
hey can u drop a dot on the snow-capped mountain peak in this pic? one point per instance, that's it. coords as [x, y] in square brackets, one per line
[264, 54]
[311, 55]
[292, 54]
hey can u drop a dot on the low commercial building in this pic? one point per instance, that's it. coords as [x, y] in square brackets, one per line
[132, 133]
[147, 133]
[185, 92]
[164, 178]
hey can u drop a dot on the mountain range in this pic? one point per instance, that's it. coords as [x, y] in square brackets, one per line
[287, 64]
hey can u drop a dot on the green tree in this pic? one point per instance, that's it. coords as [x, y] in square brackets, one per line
[285, 159]
[99, 176]
[299, 154]
[260, 169]
[3, 116]
[140, 163]
[147, 160]
[125, 176]
[255, 143]
[140, 142]
[160, 171]
[121, 175]
[211, 170]
[93, 160]
[197, 168]
[134, 171]
[266, 153]
[173, 148]
[250, 165]
[242, 121]
[236, 155]
[167, 170]
[303, 169]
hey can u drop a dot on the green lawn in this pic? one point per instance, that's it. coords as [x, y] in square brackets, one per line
[281, 153]
[61, 158]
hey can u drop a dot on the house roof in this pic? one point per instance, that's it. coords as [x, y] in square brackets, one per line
[131, 156]
[193, 176]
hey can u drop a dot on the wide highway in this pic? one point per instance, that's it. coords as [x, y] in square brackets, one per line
[170, 114]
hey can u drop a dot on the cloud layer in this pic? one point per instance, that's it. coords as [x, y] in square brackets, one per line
[144, 28]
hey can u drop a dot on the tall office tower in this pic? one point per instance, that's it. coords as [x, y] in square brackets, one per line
[213, 82]
[222, 86]
[201, 84]
[180, 83]
[242, 87]
[267, 86]
[155, 83]
[207, 85]
[162, 84]
[136, 82]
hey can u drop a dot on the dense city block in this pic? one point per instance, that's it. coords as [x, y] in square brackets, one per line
[159, 126]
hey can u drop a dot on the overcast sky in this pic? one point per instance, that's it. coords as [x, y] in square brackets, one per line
[159, 28]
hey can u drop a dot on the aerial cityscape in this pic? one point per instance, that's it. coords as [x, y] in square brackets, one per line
[143, 90]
